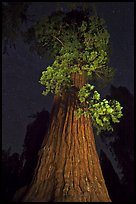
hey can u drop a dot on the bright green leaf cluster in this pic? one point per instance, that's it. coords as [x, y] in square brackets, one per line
[84, 92]
[55, 80]
[103, 113]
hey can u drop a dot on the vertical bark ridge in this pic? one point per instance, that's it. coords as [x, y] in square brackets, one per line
[95, 194]
[70, 164]
[90, 158]
[60, 122]
[89, 173]
[67, 166]
[82, 161]
[61, 157]
[80, 155]
[98, 176]
[77, 166]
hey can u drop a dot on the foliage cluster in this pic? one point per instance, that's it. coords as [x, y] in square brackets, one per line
[103, 113]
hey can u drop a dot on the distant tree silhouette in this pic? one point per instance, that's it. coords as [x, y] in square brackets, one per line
[11, 168]
[34, 137]
[121, 150]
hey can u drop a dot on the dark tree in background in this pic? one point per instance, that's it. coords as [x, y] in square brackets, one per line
[36, 131]
[123, 148]
[18, 170]
[116, 150]
[11, 170]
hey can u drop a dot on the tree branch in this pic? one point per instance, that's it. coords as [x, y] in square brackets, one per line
[98, 75]
[58, 40]
[100, 67]
[44, 44]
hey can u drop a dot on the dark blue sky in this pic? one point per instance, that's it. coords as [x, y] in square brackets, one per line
[21, 70]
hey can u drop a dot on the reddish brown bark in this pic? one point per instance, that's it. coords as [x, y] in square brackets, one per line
[68, 168]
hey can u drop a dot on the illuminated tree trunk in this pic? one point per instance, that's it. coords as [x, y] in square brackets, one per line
[68, 168]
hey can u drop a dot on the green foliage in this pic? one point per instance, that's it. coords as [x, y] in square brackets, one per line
[103, 113]
[85, 92]
[55, 79]
[77, 47]
[78, 43]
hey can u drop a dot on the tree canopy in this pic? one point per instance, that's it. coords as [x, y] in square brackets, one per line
[78, 43]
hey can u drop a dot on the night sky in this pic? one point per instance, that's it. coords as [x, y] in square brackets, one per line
[21, 69]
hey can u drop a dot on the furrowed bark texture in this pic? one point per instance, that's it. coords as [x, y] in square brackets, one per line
[68, 169]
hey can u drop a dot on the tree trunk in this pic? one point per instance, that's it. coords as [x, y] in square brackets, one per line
[68, 169]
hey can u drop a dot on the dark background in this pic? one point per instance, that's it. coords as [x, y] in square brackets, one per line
[25, 119]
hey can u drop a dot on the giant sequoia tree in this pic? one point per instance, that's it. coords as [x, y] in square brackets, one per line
[68, 168]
